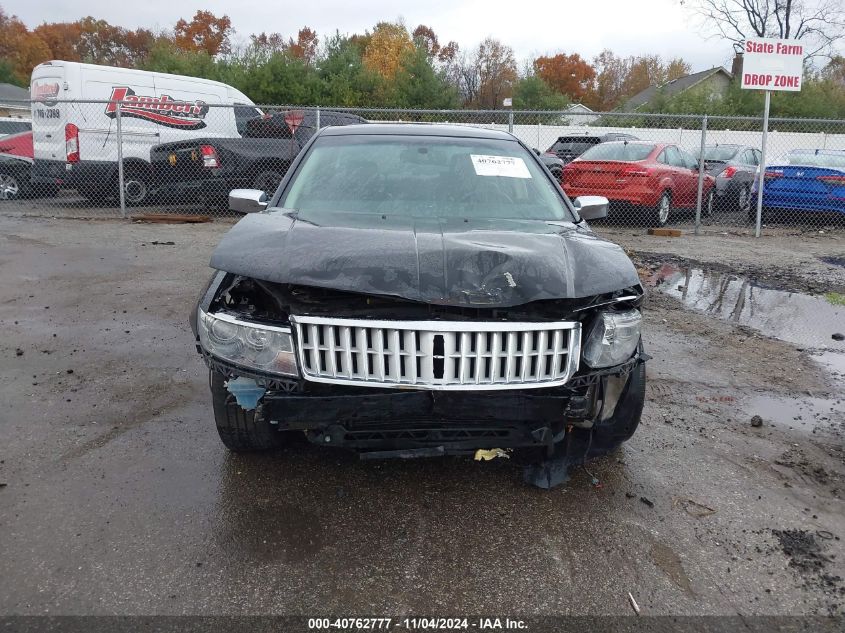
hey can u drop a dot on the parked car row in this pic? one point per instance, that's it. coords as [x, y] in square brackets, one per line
[188, 137]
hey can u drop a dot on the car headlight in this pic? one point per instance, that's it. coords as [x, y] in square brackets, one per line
[612, 338]
[264, 348]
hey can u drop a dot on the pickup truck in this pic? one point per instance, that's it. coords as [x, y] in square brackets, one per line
[211, 167]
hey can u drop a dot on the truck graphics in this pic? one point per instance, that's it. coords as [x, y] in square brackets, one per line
[163, 110]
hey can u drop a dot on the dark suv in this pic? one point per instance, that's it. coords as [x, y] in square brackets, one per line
[568, 148]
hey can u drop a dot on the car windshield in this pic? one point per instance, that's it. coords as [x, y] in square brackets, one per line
[574, 145]
[720, 152]
[618, 151]
[835, 160]
[423, 176]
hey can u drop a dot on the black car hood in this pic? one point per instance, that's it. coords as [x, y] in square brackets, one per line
[439, 261]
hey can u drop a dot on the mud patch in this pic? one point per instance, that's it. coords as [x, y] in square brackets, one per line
[805, 555]
[670, 563]
[797, 461]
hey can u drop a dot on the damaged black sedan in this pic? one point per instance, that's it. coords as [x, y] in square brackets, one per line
[423, 290]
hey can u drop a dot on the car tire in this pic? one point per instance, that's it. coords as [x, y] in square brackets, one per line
[136, 187]
[558, 175]
[241, 431]
[660, 214]
[11, 188]
[268, 180]
[743, 198]
[707, 205]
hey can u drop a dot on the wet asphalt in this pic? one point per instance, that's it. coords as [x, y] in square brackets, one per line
[118, 497]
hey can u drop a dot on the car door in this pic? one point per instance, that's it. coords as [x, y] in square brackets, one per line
[691, 175]
[680, 176]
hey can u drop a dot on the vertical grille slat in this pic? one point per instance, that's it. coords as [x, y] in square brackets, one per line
[437, 354]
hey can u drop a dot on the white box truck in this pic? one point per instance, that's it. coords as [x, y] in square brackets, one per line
[75, 143]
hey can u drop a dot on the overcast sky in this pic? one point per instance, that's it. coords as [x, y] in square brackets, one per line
[531, 27]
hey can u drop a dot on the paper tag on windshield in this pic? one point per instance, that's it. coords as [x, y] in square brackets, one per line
[507, 166]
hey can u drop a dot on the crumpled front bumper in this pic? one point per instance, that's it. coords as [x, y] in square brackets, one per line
[454, 422]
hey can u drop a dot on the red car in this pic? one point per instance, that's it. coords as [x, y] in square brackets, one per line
[652, 177]
[15, 165]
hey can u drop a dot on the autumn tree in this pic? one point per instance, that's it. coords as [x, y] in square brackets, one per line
[567, 74]
[386, 47]
[20, 49]
[607, 90]
[425, 39]
[205, 32]
[496, 73]
[305, 45]
[618, 78]
[62, 38]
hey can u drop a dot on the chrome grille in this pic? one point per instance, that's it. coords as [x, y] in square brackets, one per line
[437, 354]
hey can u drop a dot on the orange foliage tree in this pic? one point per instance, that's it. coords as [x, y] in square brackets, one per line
[305, 45]
[567, 74]
[386, 47]
[205, 32]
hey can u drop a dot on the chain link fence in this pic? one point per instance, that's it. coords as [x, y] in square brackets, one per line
[157, 155]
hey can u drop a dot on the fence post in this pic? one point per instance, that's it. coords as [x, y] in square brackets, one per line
[510, 121]
[762, 175]
[121, 192]
[317, 119]
[700, 174]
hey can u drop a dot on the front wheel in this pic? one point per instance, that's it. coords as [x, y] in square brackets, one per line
[660, 214]
[10, 186]
[240, 430]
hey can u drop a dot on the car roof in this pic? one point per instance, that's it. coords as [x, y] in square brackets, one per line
[638, 142]
[416, 129]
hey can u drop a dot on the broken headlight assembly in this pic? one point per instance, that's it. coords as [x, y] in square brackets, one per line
[612, 338]
[264, 348]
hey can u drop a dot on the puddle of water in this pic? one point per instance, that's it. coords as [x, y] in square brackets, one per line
[833, 360]
[804, 320]
[805, 413]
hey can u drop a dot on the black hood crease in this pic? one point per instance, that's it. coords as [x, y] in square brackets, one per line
[442, 261]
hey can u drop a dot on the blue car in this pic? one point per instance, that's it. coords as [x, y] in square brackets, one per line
[804, 180]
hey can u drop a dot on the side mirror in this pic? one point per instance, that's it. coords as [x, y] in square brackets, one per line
[247, 200]
[591, 207]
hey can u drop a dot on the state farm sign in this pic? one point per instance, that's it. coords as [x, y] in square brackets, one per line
[773, 64]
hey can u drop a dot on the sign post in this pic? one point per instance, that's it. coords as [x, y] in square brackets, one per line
[770, 64]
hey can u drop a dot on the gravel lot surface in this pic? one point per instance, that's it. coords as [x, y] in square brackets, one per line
[118, 498]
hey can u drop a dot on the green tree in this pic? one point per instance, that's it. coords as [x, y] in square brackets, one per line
[166, 58]
[532, 93]
[419, 85]
[7, 74]
[345, 79]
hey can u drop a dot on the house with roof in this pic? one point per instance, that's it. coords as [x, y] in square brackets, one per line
[579, 114]
[10, 102]
[714, 81]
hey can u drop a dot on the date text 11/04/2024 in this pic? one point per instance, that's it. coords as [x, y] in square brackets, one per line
[416, 624]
